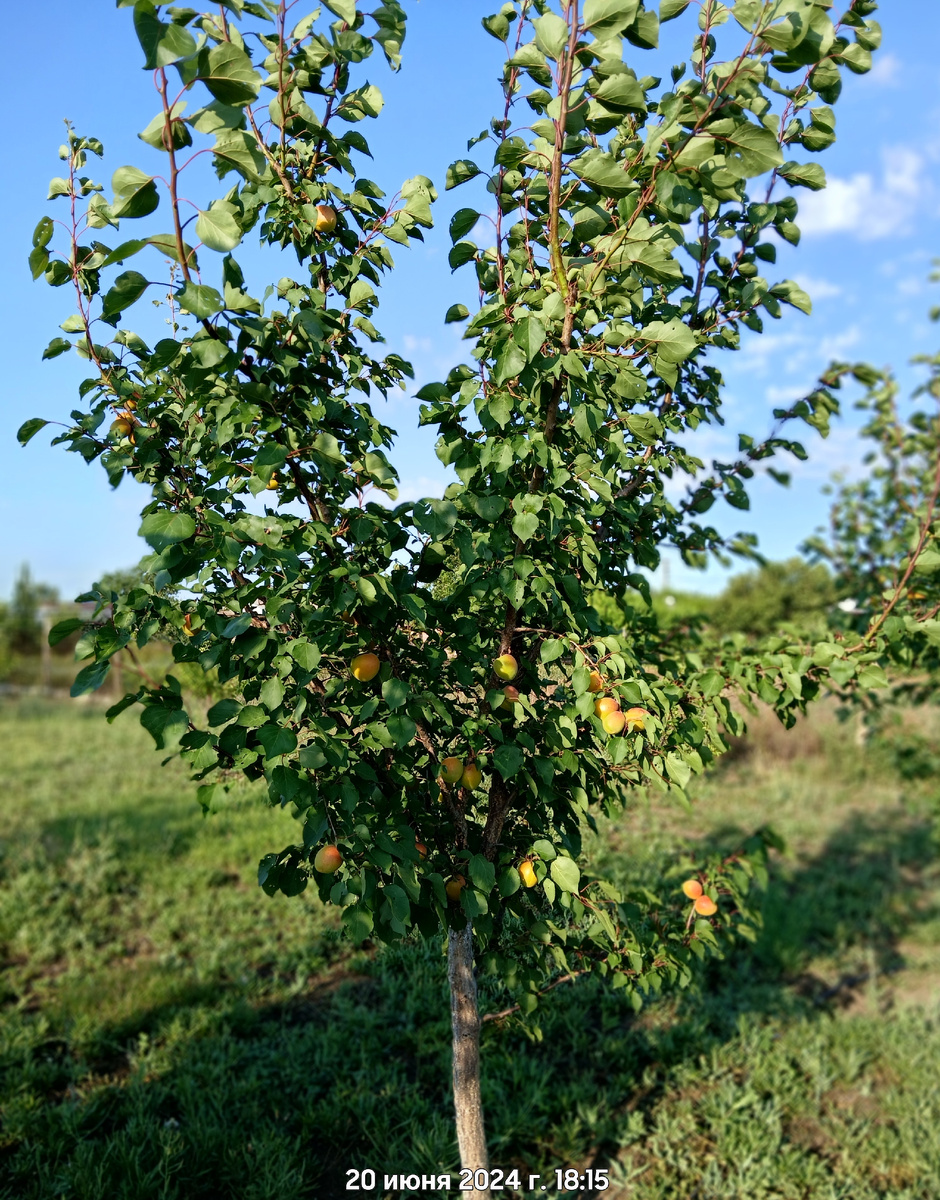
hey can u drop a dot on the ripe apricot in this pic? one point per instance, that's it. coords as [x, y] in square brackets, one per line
[453, 887]
[451, 769]
[614, 722]
[328, 860]
[326, 218]
[692, 888]
[705, 906]
[636, 718]
[606, 704]
[527, 874]
[365, 667]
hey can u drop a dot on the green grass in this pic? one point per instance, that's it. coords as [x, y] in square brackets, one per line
[166, 1030]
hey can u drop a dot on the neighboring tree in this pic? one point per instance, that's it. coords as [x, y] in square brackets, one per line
[778, 594]
[883, 543]
[633, 223]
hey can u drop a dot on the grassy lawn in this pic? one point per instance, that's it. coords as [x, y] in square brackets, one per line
[167, 1030]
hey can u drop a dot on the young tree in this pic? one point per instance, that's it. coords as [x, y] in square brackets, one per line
[882, 543]
[21, 620]
[442, 747]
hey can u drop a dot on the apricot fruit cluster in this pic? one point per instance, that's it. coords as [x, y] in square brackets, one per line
[704, 905]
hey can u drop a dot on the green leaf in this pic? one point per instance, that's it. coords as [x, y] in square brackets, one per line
[127, 288]
[462, 222]
[395, 692]
[240, 150]
[668, 9]
[808, 175]
[344, 9]
[606, 17]
[482, 874]
[544, 849]
[28, 430]
[603, 173]
[622, 93]
[164, 528]
[754, 148]
[227, 72]
[156, 132]
[63, 629]
[551, 34]
[509, 881]
[222, 712]
[678, 769]
[277, 740]
[199, 299]
[435, 517]
[551, 649]
[135, 194]
[791, 293]
[272, 693]
[217, 227]
[508, 759]
[525, 525]
[645, 427]
[509, 363]
[674, 341]
[402, 730]
[459, 172]
[487, 508]
[529, 335]
[841, 672]
[165, 725]
[565, 873]
[644, 32]
[163, 43]
[56, 347]
[305, 654]
[872, 676]
[358, 922]
[456, 312]
[366, 101]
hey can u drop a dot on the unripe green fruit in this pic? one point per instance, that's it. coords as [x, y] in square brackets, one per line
[471, 777]
[506, 668]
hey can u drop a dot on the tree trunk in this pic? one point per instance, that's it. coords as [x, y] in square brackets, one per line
[465, 1027]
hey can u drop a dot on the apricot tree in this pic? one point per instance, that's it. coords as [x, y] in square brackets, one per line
[635, 226]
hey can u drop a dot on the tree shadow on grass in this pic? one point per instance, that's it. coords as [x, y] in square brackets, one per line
[221, 1098]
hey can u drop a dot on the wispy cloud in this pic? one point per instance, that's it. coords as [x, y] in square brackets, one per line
[886, 70]
[818, 289]
[867, 207]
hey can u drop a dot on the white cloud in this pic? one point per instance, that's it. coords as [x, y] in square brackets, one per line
[420, 486]
[867, 207]
[819, 289]
[885, 71]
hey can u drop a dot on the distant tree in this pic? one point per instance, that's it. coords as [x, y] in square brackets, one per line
[776, 595]
[125, 580]
[21, 617]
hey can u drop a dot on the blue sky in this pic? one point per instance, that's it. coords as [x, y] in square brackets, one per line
[866, 254]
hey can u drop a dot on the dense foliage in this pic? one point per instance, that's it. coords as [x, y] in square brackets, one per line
[635, 234]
